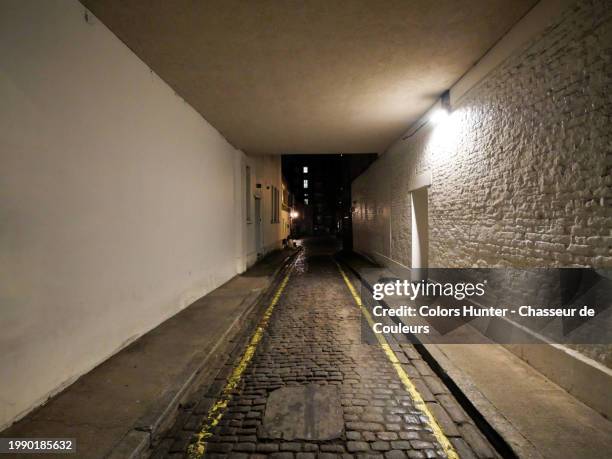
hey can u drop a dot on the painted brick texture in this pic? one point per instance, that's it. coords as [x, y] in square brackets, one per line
[521, 170]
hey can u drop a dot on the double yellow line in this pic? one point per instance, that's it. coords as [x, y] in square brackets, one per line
[417, 399]
[198, 447]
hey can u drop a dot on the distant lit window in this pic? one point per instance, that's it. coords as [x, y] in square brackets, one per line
[306, 201]
[305, 169]
[305, 183]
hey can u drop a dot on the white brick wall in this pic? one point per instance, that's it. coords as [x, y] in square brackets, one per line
[521, 171]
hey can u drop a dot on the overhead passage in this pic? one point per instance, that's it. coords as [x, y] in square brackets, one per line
[315, 76]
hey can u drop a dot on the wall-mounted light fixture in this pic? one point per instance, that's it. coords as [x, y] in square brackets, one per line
[437, 116]
[442, 113]
[294, 214]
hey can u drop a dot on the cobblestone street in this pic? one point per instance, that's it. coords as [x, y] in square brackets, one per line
[314, 338]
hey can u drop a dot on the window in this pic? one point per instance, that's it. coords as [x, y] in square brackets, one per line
[248, 193]
[305, 184]
[277, 210]
[272, 205]
[285, 196]
[275, 205]
[305, 169]
[306, 201]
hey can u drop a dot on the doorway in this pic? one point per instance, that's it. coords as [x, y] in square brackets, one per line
[258, 232]
[420, 234]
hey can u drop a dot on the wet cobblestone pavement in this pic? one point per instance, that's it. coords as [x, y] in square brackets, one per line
[314, 338]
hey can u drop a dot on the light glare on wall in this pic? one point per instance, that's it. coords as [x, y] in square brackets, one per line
[446, 135]
[443, 113]
[439, 116]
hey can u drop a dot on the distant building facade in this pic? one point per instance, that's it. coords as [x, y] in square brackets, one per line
[322, 187]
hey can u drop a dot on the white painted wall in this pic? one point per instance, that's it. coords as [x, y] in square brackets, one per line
[120, 204]
[266, 171]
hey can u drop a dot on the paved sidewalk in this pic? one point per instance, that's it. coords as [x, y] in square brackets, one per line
[315, 388]
[537, 418]
[118, 407]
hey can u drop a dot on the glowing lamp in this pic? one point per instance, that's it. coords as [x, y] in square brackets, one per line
[439, 116]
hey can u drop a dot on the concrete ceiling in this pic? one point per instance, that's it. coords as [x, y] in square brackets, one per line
[318, 76]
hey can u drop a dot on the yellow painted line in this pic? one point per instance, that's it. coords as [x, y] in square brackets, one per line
[447, 446]
[198, 447]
